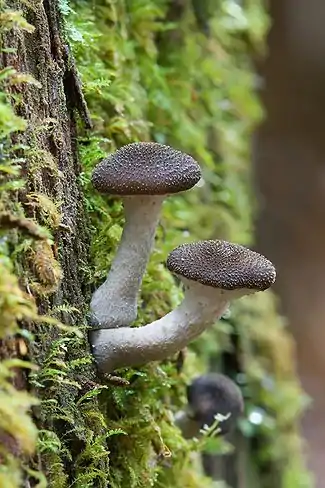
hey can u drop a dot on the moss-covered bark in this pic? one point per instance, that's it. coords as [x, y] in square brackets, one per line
[52, 193]
[52, 273]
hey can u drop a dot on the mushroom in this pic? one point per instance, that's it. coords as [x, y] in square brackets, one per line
[209, 395]
[142, 174]
[213, 274]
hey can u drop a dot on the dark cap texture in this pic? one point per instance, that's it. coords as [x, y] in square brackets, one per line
[221, 264]
[215, 393]
[146, 168]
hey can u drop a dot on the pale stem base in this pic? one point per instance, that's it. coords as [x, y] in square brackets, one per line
[122, 347]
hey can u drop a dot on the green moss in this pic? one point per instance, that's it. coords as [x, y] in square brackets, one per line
[16, 426]
[196, 94]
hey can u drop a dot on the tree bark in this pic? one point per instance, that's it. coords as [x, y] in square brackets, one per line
[53, 197]
[51, 135]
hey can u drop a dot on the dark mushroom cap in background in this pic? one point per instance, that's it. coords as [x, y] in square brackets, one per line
[146, 168]
[221, 264]
[215, 393]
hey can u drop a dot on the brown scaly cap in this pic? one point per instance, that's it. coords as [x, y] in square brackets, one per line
[215, 393]
[221, 264]
[146, 168]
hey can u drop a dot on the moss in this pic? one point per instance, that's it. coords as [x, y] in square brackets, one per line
[17, 430]
[196, 94]
[272, 388]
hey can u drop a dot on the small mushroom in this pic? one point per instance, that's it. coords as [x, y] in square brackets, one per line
[213, 273]
[142, 174]
[210, 395]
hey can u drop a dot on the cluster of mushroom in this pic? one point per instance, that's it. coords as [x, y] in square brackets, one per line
[213, 272]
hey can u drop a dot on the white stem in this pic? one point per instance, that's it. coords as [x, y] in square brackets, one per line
[126, 346]
[114, 304]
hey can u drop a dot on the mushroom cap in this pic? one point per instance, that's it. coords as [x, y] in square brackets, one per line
[215, 393]
[146, 168]
[221, 264]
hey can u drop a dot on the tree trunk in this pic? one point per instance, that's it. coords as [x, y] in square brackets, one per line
[53, 273]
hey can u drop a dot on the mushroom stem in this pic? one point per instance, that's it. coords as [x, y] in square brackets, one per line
[126, 346]
[114, 304]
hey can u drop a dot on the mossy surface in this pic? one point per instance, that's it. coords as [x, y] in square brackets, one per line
[149, 71]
